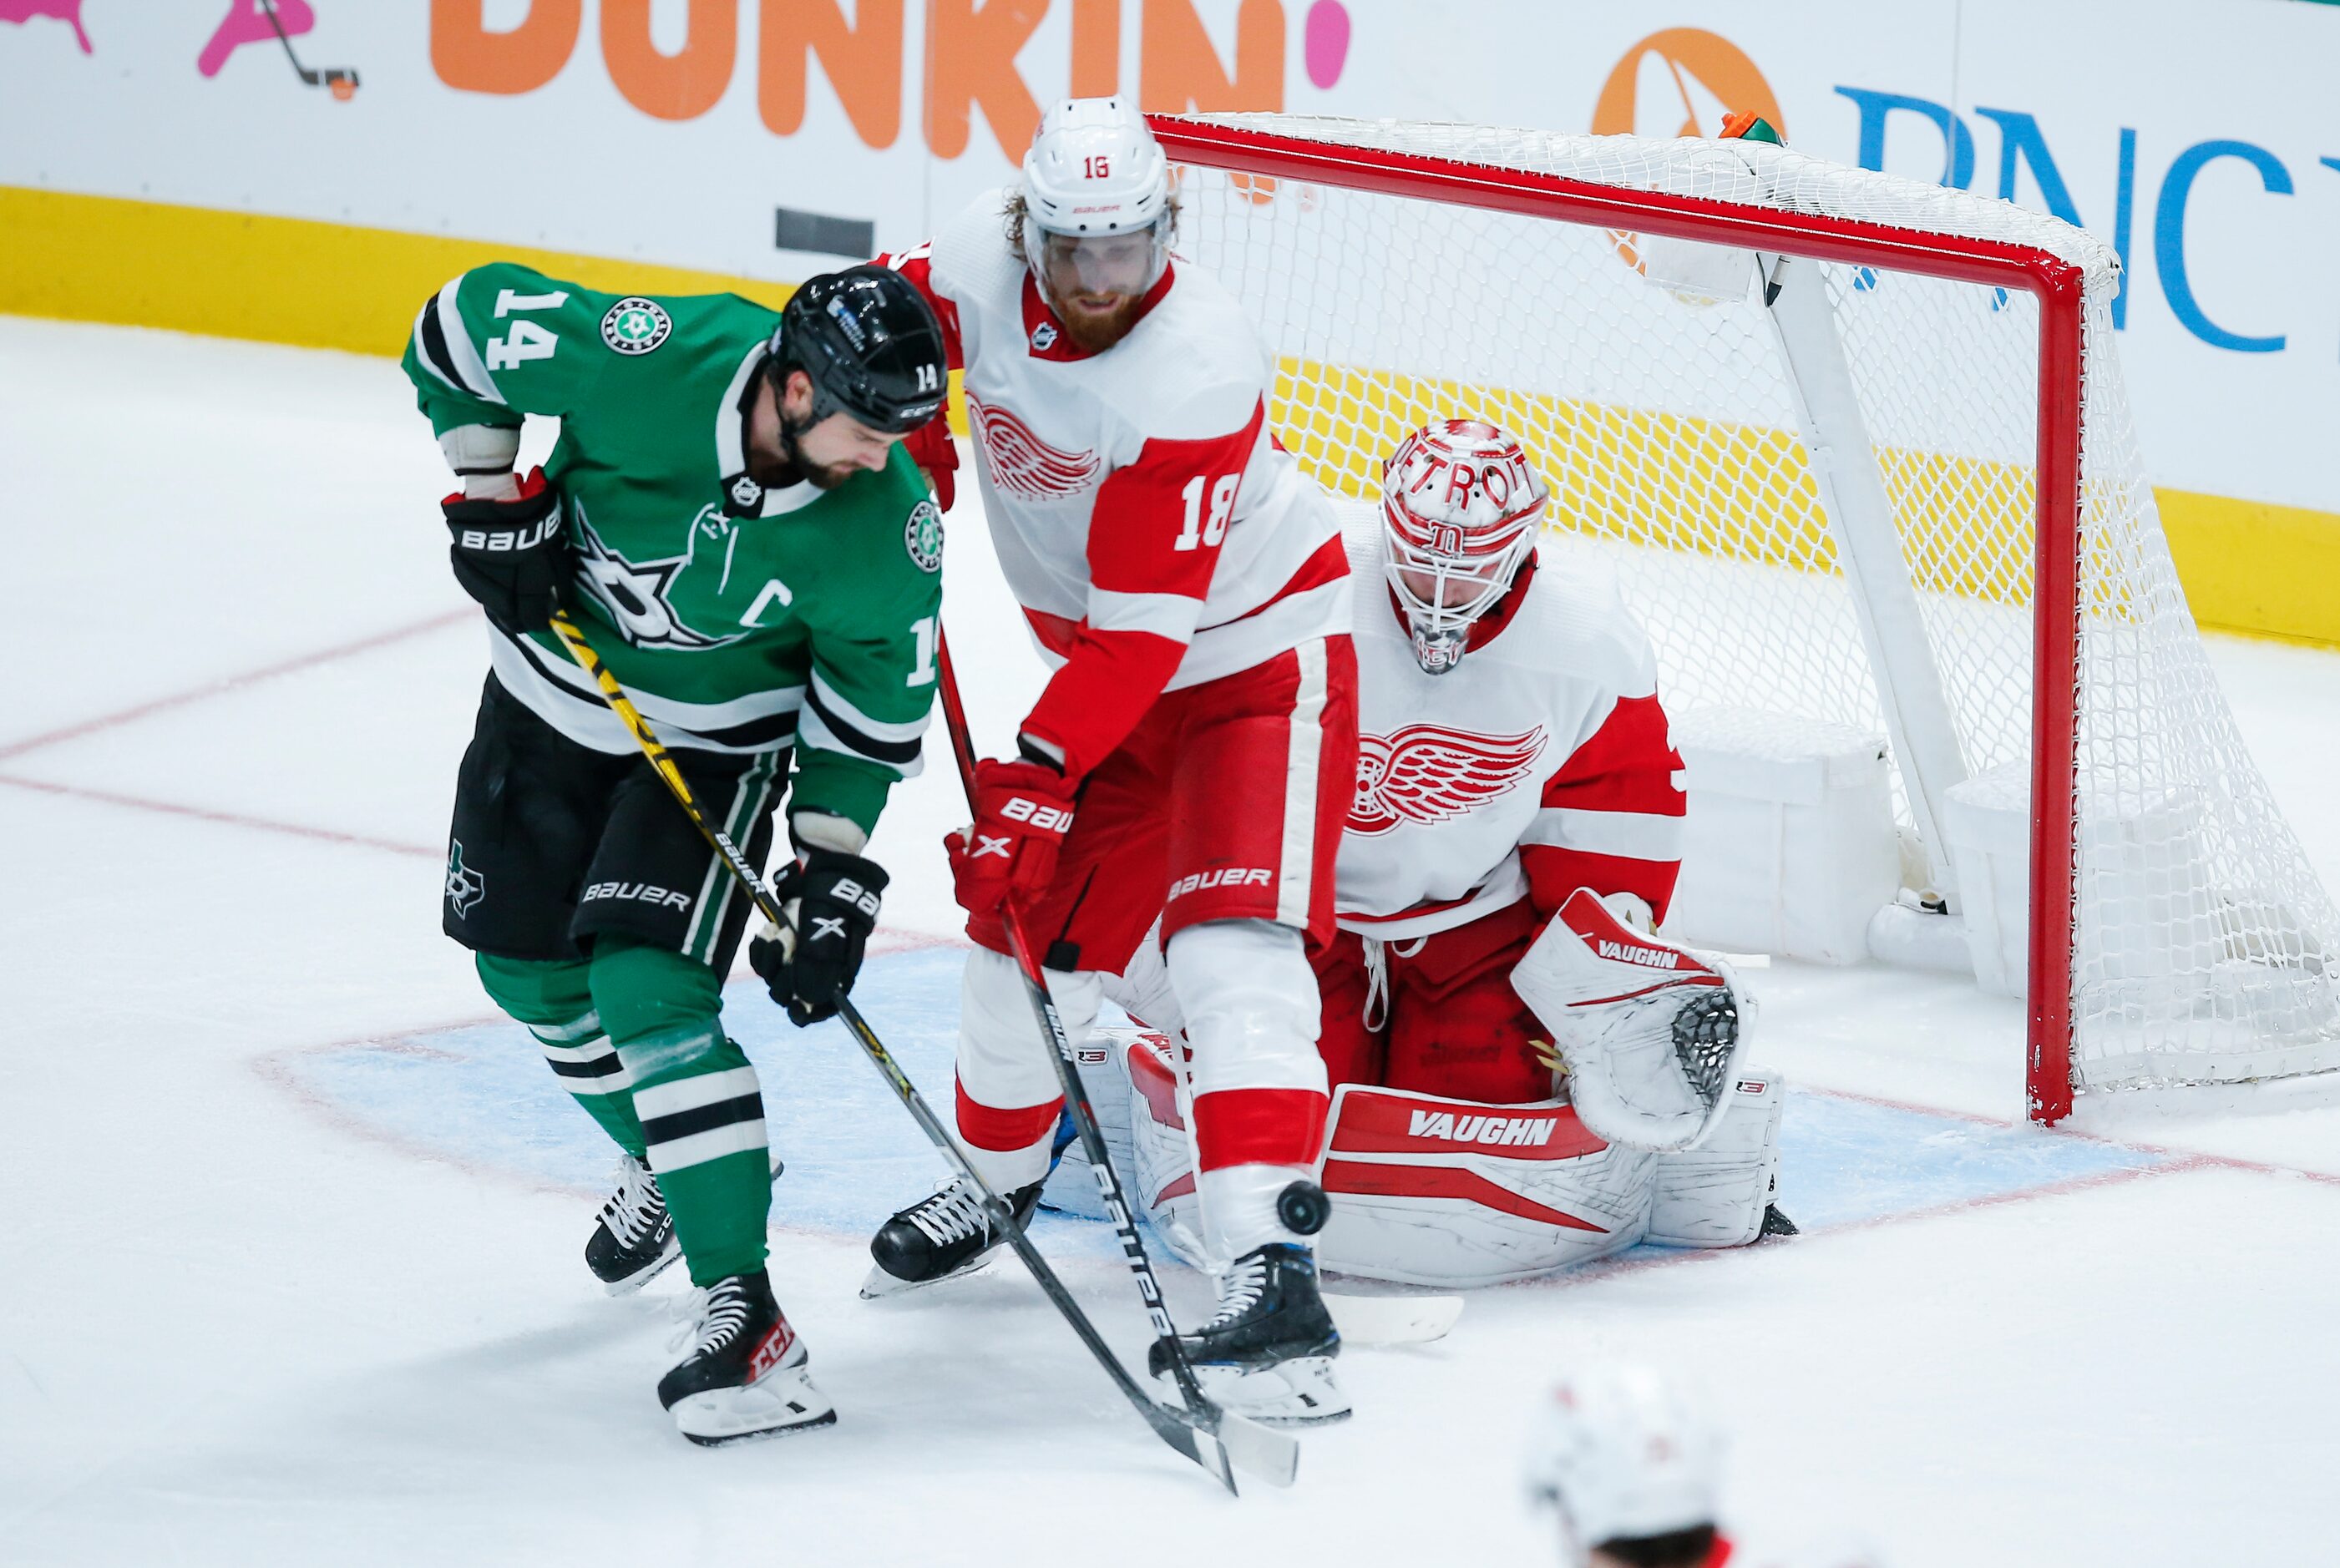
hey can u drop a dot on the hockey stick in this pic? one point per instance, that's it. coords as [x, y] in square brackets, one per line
[1242, 1433]
[340, 80]
[1192, 1433]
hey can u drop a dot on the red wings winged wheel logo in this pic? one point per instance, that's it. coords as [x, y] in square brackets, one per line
[1428, 773]
[1022, 464]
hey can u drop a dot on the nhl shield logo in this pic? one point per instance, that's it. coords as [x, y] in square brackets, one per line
[922, 536]
[635, 325]
[1044, 336]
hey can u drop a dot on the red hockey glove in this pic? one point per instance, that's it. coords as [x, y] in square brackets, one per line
[1022, 811]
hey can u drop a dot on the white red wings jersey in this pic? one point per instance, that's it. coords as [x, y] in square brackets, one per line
[1538, 765]
[1154, 531]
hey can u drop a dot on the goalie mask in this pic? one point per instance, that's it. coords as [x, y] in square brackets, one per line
[1459, 510]
[1096, 202]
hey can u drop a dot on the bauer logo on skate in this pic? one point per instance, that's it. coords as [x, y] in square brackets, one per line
[1021, 463]
[1428, 773]
[1226, 876]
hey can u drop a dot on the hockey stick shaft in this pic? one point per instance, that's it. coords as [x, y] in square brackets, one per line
[1184, 1434]
[1068, 1076]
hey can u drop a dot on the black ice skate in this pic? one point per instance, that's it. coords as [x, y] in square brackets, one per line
[634, 1238]
[745, 1375]
[940, 1237]
[1269, 1354]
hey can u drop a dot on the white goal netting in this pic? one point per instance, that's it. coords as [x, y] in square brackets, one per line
[1665, 418]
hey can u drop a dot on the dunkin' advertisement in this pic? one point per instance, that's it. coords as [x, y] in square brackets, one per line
[766, 139]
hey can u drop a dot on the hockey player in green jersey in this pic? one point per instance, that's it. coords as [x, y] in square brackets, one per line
[730, 517]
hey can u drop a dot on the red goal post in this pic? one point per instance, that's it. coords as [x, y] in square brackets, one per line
[1261, 160]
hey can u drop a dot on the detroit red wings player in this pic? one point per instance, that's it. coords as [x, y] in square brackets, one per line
[1190, 756]
[1513, 840]
[1483, 799]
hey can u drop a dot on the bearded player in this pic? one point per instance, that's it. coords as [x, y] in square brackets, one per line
[729, 518]
[1513, 842]
[1192, 754]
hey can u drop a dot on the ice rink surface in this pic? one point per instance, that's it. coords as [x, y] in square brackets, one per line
[291, 1260]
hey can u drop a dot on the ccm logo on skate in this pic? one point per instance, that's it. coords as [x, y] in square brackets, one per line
[1226, 876]
[772, 1351]
[511, 538]
[636, 892]
[1488, 1129]
[1047, 818]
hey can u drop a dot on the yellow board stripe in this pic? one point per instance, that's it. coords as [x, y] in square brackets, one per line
[2248, 567]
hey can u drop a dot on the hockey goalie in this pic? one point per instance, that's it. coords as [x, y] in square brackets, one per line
[1526, 1075]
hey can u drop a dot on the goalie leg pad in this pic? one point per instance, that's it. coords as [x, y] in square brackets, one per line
[1715, 1195]
[1161, 1151]
[1652, 1034]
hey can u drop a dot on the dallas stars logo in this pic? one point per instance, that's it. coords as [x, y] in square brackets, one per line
[922, 536]
[465, 887]
[635, 325]
[639, 594]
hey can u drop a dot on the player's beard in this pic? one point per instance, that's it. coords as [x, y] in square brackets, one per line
[1096, 333]
[776, 470]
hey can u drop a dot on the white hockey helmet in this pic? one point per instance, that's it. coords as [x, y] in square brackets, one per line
[1097, 199]
[1621, 1452]
[1461, 505]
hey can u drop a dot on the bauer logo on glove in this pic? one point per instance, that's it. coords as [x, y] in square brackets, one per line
[831, 899]
[1652, 1033]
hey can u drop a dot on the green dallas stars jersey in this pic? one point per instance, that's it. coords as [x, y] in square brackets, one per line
[740, 619]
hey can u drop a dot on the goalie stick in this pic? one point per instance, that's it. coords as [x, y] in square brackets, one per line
[1214, 1439]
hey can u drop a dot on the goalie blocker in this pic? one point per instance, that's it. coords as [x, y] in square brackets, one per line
[1669, 1137]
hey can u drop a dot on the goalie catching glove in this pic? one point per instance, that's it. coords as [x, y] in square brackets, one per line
[1652, 1033]
[832, 900]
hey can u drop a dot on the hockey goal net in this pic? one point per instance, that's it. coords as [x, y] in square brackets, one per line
[1858, 452]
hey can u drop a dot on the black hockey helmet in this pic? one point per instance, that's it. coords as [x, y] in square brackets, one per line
[869, 342]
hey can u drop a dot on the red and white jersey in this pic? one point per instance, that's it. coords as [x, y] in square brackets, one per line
[1154, 531]
[1538, 765]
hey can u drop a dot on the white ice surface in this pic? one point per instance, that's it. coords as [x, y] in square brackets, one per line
[243, 1320]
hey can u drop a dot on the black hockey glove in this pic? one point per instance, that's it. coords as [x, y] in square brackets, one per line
[835, 897]
[510, 556]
